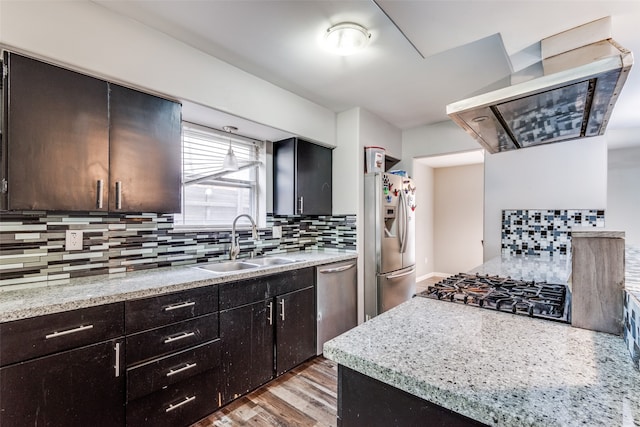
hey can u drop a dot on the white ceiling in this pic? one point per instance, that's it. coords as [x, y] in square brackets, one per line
[469, 47]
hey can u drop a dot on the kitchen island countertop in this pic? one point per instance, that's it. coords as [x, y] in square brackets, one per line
[494, 367]
[103, 289]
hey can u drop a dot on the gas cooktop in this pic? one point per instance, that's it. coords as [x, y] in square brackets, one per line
[534, 299]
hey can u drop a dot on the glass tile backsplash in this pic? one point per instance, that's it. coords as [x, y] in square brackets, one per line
[544, 232]
[32, 249]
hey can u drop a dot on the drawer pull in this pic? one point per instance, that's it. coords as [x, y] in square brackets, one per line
[181, 305]
[186, 367]
[177, 405]
[282, 307]
[179, 337]
[68, 331]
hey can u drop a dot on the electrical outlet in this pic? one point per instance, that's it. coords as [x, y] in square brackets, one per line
[73, 240]
[277, 231]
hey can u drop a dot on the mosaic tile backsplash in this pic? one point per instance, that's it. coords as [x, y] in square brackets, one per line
[543, 232]
[631, 330]
[32, 243]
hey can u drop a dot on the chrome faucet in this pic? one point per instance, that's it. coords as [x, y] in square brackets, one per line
[234, 250]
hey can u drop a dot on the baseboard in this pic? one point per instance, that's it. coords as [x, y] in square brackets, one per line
[430, 275]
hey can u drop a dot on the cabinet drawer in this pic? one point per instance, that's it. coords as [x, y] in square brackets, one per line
[179, 336]
[51, 333]
[163, 310]
[180, 404]
[235, 294]
[149, 377]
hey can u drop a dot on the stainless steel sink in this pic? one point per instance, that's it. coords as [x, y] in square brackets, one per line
[266, 261]
[228, 266]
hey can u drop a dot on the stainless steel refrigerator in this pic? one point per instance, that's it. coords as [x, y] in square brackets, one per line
[389, 242]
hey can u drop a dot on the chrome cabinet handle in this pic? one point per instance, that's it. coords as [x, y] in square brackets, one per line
[270, 316]
[177, 405]
[99, 187]
[117, 365]
[337, 269]
[179, 305]
[118, 194]
[301, 204]
[179, 337]
[186, 367]
[68, 331]
[282, 309]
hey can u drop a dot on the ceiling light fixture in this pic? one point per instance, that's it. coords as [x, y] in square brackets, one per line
[346, 38]
[230, 162]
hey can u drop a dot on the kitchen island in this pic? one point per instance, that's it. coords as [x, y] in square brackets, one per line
[493, 367]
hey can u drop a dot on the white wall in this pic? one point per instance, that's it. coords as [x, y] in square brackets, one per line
[440, 138]
[423, 176]
[348, 163]
[379, 133]
[623, 192]
[458, 218]
[568, 175]
[90, 38]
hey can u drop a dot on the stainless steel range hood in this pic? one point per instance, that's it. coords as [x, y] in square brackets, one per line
[573, 99]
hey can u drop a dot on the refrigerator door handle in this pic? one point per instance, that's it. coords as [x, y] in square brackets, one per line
[395, 276]
[403, 222]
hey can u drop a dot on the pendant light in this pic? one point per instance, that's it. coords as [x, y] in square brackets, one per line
[230, 162]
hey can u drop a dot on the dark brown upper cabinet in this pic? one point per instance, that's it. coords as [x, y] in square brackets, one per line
[72, 142]
[302, 183]
[144, 152]
[57, 137]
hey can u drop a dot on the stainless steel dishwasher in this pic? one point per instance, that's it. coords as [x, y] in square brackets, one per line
[337, 296]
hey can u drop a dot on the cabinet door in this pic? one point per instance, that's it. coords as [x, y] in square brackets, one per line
[295, 329]
[82, 387]
[313, 180]
[145, 152]
[58, 138]
[247, 347]
[302, 181]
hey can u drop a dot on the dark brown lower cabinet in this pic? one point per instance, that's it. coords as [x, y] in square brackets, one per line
[295, 329]
[366, 402]
[265, 339]
[247, 356]
[80, 387]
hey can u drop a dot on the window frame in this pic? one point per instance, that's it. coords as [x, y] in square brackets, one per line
[257, 186]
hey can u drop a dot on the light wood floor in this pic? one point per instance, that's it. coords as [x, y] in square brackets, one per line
[422, 285]
[305, 396]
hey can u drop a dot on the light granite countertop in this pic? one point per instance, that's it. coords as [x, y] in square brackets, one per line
[95, 290]
[494, 367]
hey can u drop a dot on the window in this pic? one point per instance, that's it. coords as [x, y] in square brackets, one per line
[212, 197]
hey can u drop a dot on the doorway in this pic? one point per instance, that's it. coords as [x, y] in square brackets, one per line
[449, 218]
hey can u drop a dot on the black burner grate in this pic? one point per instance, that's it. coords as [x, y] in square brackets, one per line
[535, 299]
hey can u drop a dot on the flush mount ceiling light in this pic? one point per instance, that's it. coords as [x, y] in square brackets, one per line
[346, 38]
[230, 162]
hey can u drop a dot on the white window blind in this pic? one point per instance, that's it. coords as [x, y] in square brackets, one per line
[212, 197]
